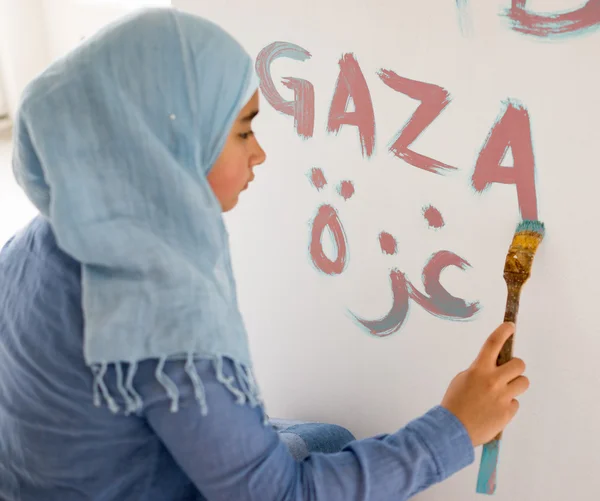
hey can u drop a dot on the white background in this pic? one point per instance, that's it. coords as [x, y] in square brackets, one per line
[313, 362]
[33, 33]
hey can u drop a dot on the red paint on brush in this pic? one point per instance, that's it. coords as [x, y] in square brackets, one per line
[388, 243]
[433, 216]
[302, 108]
[351, 83]
[511, 130]
[327, 217]
[317, 178]
[492, 485]
[434, 100]
[346, 189]
[547, 25]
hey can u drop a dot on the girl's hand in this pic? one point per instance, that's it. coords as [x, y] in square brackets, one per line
[483, 397]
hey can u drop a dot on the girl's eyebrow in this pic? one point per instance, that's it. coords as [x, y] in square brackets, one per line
[250, 116]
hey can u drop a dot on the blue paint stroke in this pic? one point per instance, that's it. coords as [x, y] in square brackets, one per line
[486, 480]
[464, 17]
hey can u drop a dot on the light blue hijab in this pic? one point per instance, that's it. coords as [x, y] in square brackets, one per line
[113, 144]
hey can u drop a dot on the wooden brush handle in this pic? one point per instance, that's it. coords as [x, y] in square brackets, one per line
[510, 315]
[506, 353]
[486, 480]
[516, 273]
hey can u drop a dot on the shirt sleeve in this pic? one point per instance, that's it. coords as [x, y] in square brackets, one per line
[229, 454]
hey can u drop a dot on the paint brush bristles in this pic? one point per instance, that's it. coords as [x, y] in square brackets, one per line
[536, 227]
[517, 270]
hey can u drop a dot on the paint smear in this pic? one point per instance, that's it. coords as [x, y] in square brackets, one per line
[437, 302]
[393, 320]
[351, 83]
[464, 17]
[486, 479]
[327, 217]
[554, 25]
[388, 243]
[433, 217]
[511, 130]
[434, 100]
[317, 178]
[346, 189]
[302, 108]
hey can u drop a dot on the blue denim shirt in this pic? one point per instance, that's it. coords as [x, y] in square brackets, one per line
[55, 445]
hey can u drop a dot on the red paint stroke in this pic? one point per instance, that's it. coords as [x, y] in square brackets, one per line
[327, 217]
[346, 189]
[317, 178]
[434, 100]
[548, 25]
[433, 216]
[302, 108]
[437, 301]
[388, 243]
[511, 130]
[351, 83]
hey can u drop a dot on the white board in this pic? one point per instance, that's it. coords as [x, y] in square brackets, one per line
[313, 360]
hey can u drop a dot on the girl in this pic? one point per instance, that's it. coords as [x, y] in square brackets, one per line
[125, 371]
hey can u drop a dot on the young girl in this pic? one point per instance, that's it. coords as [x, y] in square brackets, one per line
[125, 372]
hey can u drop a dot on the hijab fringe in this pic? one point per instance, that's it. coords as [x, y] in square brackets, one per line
[242, 385]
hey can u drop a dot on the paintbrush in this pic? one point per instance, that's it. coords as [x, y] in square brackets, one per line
[517, 269]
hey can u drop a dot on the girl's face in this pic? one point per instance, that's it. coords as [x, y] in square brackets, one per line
[234, 169]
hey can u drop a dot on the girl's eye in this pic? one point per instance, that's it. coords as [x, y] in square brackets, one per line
[246, 135]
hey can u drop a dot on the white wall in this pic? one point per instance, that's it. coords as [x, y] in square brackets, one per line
[69, 21]
[35, 32]
[23, 54]
[32, 34]
[313, 361]
[23, 46]
[3, 102]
